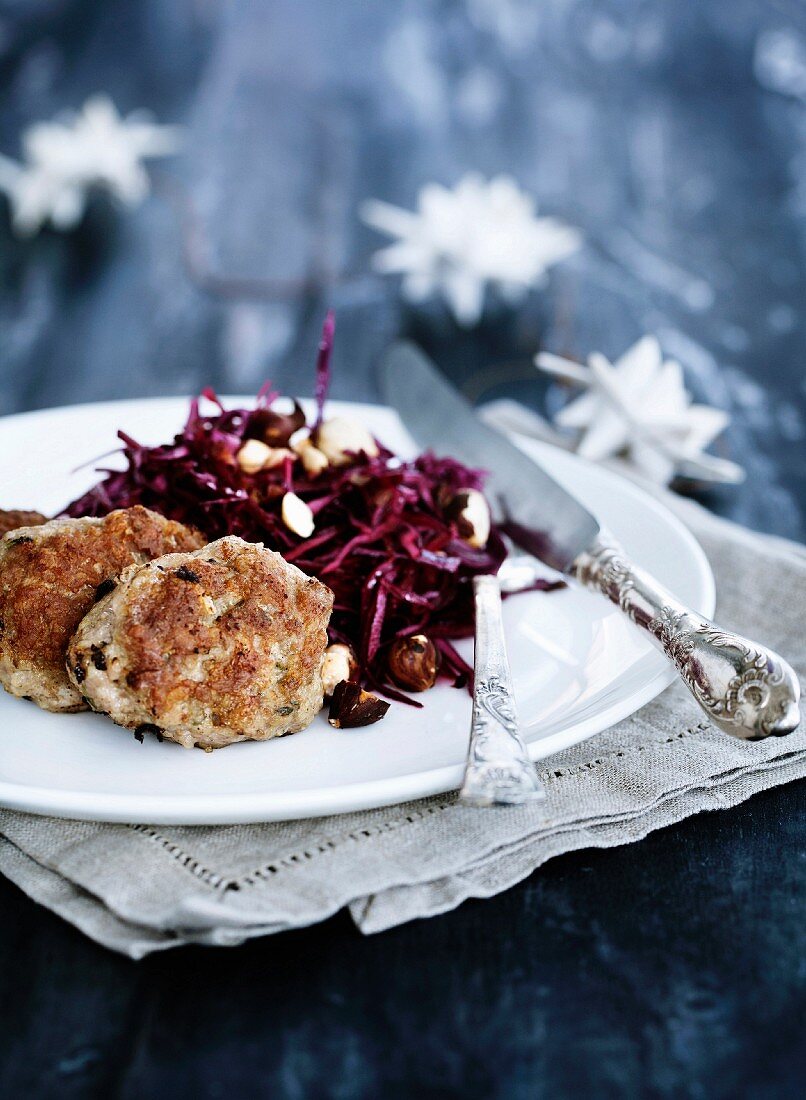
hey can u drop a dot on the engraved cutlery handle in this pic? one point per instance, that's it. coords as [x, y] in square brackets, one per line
[745, 689]
[499, 771]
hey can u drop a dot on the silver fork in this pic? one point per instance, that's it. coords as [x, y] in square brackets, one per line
[499, 771]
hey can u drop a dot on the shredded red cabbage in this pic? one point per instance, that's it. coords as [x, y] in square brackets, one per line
[323, 365]
[382, 541]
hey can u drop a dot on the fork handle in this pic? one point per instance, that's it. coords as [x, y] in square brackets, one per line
[499, 771]
[746, 690]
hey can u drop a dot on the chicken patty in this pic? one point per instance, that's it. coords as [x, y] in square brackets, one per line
[11, 519]
[225, 644]
[50, 576]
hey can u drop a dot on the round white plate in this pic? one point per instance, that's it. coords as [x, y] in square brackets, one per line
[578, 664]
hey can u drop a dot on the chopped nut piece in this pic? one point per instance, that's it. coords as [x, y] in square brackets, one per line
[277, 455]
[339, 438]
[297, 516]
[351, 706]
[339, 664]
[472, 515]
[274, 428]
[253, 456]
[414, 662]
[313, 460]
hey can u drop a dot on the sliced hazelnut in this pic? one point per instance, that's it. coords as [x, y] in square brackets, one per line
[313, 460]
[339, 438]
[339, 664]
[297, 516]
[253, 456]
[351, 706]
[414, 662]
[274, 428]
[472, 515]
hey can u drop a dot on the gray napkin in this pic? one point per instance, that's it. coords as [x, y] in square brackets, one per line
[138, 888]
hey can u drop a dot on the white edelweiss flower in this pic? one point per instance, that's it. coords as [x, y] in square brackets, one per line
[639, 407]
[64, 158]
[462, 240]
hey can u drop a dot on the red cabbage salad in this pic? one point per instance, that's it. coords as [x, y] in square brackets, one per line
[395, 540]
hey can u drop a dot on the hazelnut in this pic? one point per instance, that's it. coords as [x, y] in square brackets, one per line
[339, 664]
[471, 513]
[297, 516]
[253, 456]
[274, 428]
[339, 438]
[414, 662]
[351, 706]
[313, 460]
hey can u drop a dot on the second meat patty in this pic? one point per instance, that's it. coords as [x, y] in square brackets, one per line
[221, 645]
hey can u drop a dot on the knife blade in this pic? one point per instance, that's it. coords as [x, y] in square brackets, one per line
[539, 514]
[747, 690]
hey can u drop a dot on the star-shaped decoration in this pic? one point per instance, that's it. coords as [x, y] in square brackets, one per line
[63, 159]
[638, 407]
[460, 241]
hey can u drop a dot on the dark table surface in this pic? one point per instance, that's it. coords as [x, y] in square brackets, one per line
[674, 135]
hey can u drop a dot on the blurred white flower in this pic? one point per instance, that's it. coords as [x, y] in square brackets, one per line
[63, 159]
[37, 196]
[460, 241]
[639, 407]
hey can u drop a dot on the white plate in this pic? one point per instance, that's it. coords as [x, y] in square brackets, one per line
[578, 665]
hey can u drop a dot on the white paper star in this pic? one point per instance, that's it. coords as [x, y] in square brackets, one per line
[63, 159]
[460, 241]
[639, 407]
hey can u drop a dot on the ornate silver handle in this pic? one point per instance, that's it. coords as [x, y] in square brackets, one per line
[499, 771]
[746, 690]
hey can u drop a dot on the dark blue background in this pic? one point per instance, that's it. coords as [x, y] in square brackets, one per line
[674, 135]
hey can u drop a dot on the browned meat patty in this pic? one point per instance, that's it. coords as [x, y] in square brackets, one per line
[48, 580]
[11, 520]
[225, 644]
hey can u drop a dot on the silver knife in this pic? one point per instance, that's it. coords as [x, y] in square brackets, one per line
[745, 689]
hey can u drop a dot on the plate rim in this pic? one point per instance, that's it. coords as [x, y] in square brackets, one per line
[227, 809]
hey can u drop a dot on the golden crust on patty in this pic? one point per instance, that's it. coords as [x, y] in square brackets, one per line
[11, 519]
[221, 645]
[49, 575]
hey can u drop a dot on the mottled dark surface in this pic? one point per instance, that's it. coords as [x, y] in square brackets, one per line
[674, 135]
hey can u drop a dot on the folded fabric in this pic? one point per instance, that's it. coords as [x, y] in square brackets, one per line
[137, 888]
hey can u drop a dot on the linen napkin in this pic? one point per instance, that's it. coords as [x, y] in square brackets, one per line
[137, 888]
